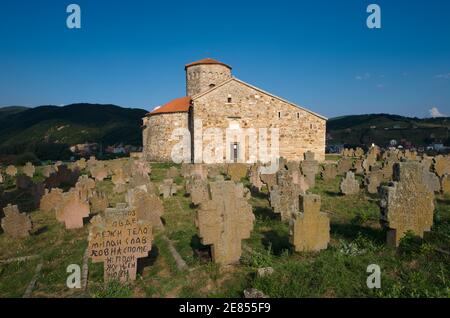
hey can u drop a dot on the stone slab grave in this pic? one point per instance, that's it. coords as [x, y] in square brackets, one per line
[72, 210]
[441, 165]
[99, 173]
[329, 171]
[349, 185]
[148, 205]
[16, 224]
[29, 169]
[310, 229]
[197, 189]
[344, 165]
[118, 239]
[172, 173]
[284, 195]
[168, 188]
[445, 184]
[224, 220]
[85, 186]
[310, 167]
[373, 181]
[11, 171]
[237, 171]
[406, 204]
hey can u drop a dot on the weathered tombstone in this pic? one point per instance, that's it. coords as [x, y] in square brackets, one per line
[119, 181]
[85, 186]
[63, 176]
[72, 210]
[16, 224]
[310, 167]
[172, 173]
[236, 171]
[358, 166]
[431, 181]
[359, 152]
[99, 173]
[284, 195]
[349, 185]
[81, 164]
[373, 181]
[445, 183]
[199, 191]
[118, 239]
[47, 171]
[269, 180]
[406, 204]
[388, 169]
[98, 202]
[344, 165]
[148, 206]
[329, 171]
[168, 188]
[255, 178]
[224, 220]
[310, 229]
[92, 162]
[441, 165]
[11, 171]
[51, 200]
[29, 169]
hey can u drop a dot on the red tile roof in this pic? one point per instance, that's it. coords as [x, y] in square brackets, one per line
[175, 106]
[207, 61]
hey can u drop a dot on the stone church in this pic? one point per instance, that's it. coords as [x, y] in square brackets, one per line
[220, 100]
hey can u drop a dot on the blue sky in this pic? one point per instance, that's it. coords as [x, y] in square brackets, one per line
[319, 54]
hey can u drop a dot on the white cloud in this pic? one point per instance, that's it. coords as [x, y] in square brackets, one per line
[365, 76]
[434, 113]
[443, 76]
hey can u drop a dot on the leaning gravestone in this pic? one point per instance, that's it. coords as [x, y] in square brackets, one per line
[72, 210]
[349, 185]
[431, 181]
[406, 204]
[29, 169]
[373, 181]
[11, 171]
[329, 171]
[118, 239]
[224, 220]
[310, 229]
[16, 224]
[344, 165]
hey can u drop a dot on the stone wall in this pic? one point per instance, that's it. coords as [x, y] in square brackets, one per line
[200, 78]
[157, 133]
[300, 130]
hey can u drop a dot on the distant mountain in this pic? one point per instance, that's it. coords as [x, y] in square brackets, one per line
[21, 128]
[381, 128]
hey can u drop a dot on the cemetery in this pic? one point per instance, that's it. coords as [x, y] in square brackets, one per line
[133, 228]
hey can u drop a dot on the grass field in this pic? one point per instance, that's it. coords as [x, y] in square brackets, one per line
[418, 268]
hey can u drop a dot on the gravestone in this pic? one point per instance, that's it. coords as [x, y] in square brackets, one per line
[118, 240]
[406, 204]
[269, 180]
[309, 168]
[358, 166]
[310, 229]
[149, 206]
[15, 224]
[329, 171]
[224, 220]
[431, 181]
[344, 165]
[72, 210]
[81, 164]
[11, 171]
[29, 169]
[99, 173]
[255, 178]
[63, 176]
[373, 181]
[349, 185]
[388, 169]
[51, 200]
[47, 171]
[199, 191]
[172, 173]
[98, 202]
[359, 152]
[441, 165]
[85, 186]
[92, 162]
[445, 183]
[236, 171]
[168, 188]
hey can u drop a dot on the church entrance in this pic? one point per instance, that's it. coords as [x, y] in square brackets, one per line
[234, 151]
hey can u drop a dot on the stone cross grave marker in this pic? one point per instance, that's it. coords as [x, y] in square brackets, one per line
[310, 168]
[29, 169]
[407, 204]
[118, 240]
[349, 185]
[148, 205]
[11, 170]
[16, 224]
[224, 220]
[51, 200]
[344, 165]
[310, 229]
[72, 210]
[329, 171]
[168, 188]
